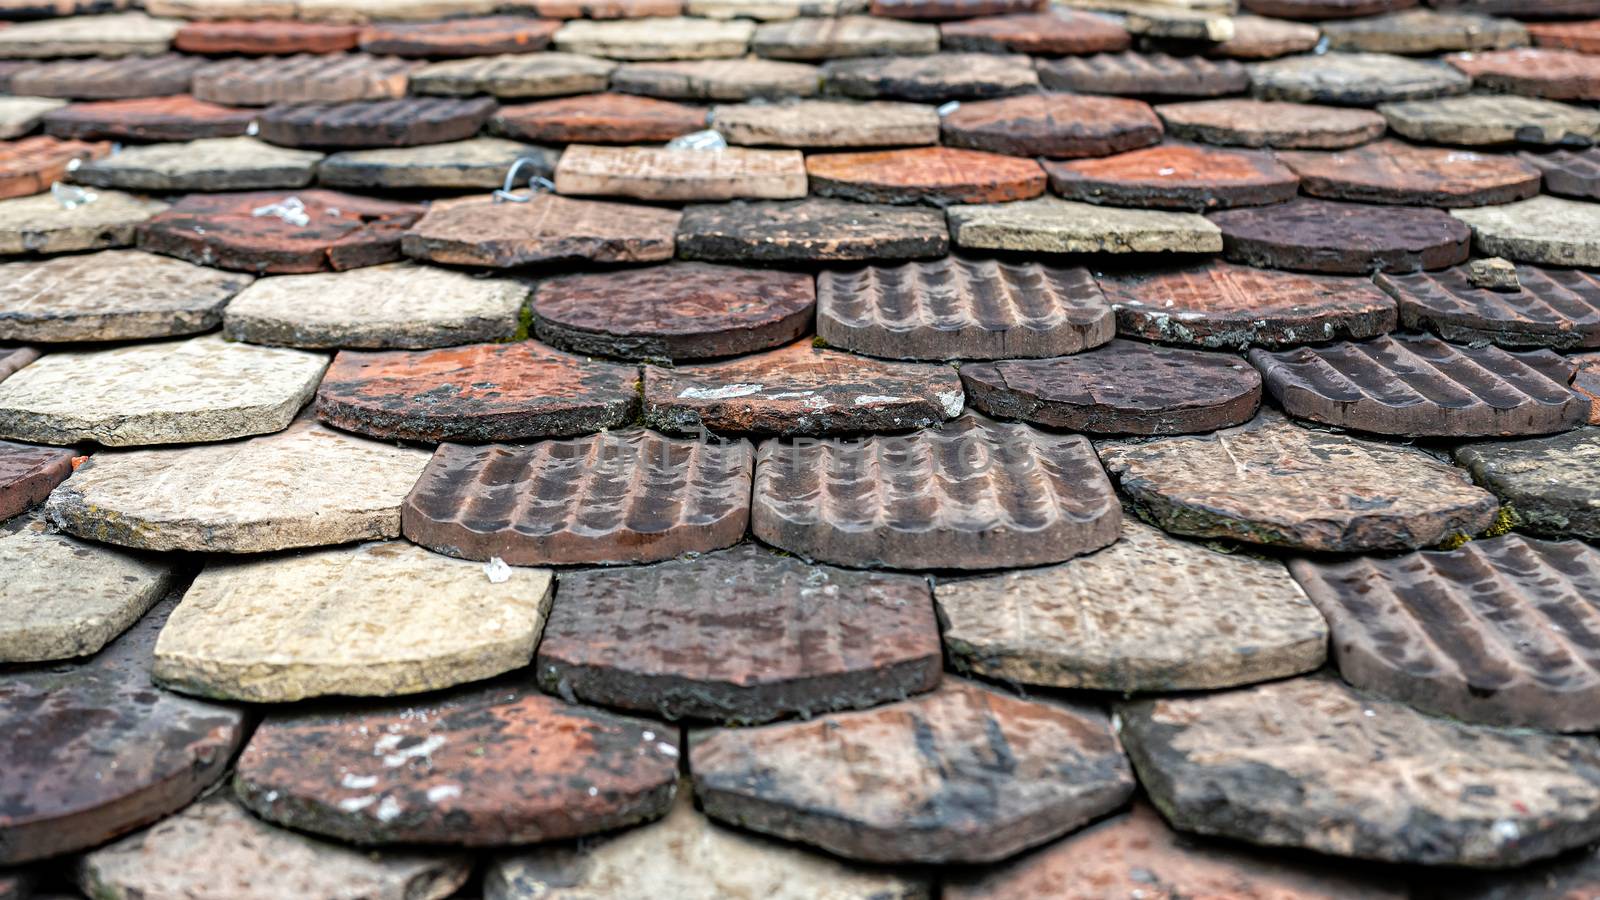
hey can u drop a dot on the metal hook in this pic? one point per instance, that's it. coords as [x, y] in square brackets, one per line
[537, 183]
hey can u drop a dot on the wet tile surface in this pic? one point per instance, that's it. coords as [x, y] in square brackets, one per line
[1398, 173]
[1329, 236]
[546, 228]
[1547, 481]
[1176, 176]
[111, 296]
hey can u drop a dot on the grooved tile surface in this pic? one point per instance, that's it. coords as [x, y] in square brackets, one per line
[815, 229]
[1549, 483]
[936, 77]
[1399, 173]
[28, 474]
[1348, 238]
[303, 78]
[112, 295]
[660, 174]
[378, 123]
[937, 176]
[107, 79]
[1054, 125]
[718, 79]
[1267, 123]
[1144, 73]
[1556, 308]
[177, 118]
[479, 232]
[514, 75]
[1176, 176]
[1568, 173]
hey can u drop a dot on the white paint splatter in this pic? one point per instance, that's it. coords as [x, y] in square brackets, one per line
[424, 748]
[720, 393]
[443, 792]
[356, 804]
[388, 809]
[358, 782]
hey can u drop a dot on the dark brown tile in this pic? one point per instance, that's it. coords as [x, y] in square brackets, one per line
[1328, 236]
[1400, 173]
[1556, 308]
[377, 123]
[936, 77]
[1548, 483]
[938, 176]
[599, 119]
[302, 78]
[1583, 37]
[264, 37]
[1568, 173]
[30, 165]
[1324, 9]
[177, 118]
[811, 230]
[1146, 74]
[1264, 123]
[1175, 176]
[477, 231]
[1058, 31]
[1533, 71]
[953, 9]
[1055, 125]
[28, 474]
[716, 79]
[485, 36]
[106, 79]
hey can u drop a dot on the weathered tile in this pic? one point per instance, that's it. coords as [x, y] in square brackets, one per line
[1420, 386]
[209, 164]
[1052, 225]
[681, 175]
[214, 849]
[1057, 31]
[811, 230]
[107, 79]
[881, 784]
[718, 79]
[1544, 229]
[937, 176]
[34, 9]
[1326, 9]
[211, 10]
[1329, 236]
[1423, 31]
[1487, 119]
[656, 38]
[685, 310]
[936, 77]
[93, 751]
[484, 36]
[626, 496]
[379, 123]
[1148, 613]
[279, 629]
[178, 118]
[962, 308]
[30, 165]
[28, 474]
[1144, 74]
[302, 78]
[825, 124]
[1549, 482]
[514, 75]
[770, 9]
[63, 598]
[402, 305]
[1528, 9]
[1273, 482]
[688, 857]
[389, 10]
[114, 295]
[1557, 308]
[308, 486]
[953, 9]
[115, 34]
[480, 162]
[1124, 387]
[14, 357]
[478, 231]
[1583, 37]
[1176, 176]
[1191, 23]
[1221, 305]
[21, 115]
[845, 36]
[246, 37]
[1311, 763]
[1534, 71]
[1261, 123]
[1587, 384]
[602, 9]
[1258, 37]
[476, 393]
[915, 501]
[485, 766]
[40, 224]
[1400, 173]
[1572, 875]
[265, 233]
[599, 119]
[1568, 173]
[1126, 855]
[187, 391]
[800, 389]
[1055, 125]
[1354, 79]
[712, 638]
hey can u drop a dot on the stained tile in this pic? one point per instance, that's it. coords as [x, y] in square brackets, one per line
[1325, 9]
[401, 306]
[209, 164]
[1558, 308]
[953, 9]
[936, 77]
[1055, 125]
[1549, 482]
[1533, 71]
[107, 79]
[477, 231]
[114, 295]
[1583, 37]
[380, 123]
[962, 308]
[115, 34]
[1423, 31]
[769, 9]
[800, 389]
[712, 638]
[625, 496]
[1400, 173]
[29, 165]
[93, 751]
[1176, 176]
[1328, 236]
[40, 224]
[656, 38]
[1220, 305]
[603, 9]
[28, 474]
[599, 119]
[214, 848]
[1351, 775]
[811, 230]
[1261, 123]
[260, 231]
[1587, 384]
[13, 357]
[1192, 23]
[824, 124]
[1568, 173]
[302, 78]
[21, 115]
[309, 486]
[480, 162]
[1052, 225]
[1488, 119]
[915, 501]
[264, 37]
[681, 175]
[1526, 8]
[514, 75]
[484, 766]
[484, 36]
[1144, 74]
[176, 118]
[476, 393]
[937, 176]
[813, 39]
[1273, 482]
[387, 10]
[1354, 79]
[718, 79]
[1259, 37]
[877, 785]
[680, 311]
[221, 10]
[1057, 31]
[1545, 230]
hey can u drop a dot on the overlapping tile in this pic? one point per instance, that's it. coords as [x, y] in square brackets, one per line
[1054, 125]
[712, 638]
[1057, 31]
[681, 175]
[264, 37]
[604, 9]
[14, 357]
[952, 9]
[1544, 229]
[1587, 384]
[1203, 24]
[1557, 308]
[1487, 119]
[811, 230]
[1219, 304]
[883, 785]
[1352, 775]
[626, 496]
[485, 766]
[937, 176]
[42, 225]
[1274, 482]
[917, 502]
[1580, 36]
[656, 38]
[480, 162]
[114, 295]
[678, 311]
[1534, 71]
[962, 308]
[209, 164]
[21, 115]
[800, 389]
[483, 36]
[1145, 74]
[599, 119]
[380, 123]
[936, 77]
[1259, 37]
[1263, 123]
[176, 118]
[1329, 236]
[827, 124]
[1568, 173]
[302, 78]
[1423, 31]
[718, 79]
[272, 232]
[151, 752]
[476, 393]
[1053, 225]
[31, 164]
[545, 228]
[1548, 482]
[514, 75]
[1354, 79]
[28, 474]
[814, 39]
[107, 79]
[1176, 176]
[1325, 9]
[114, 34]
[1400, 173]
